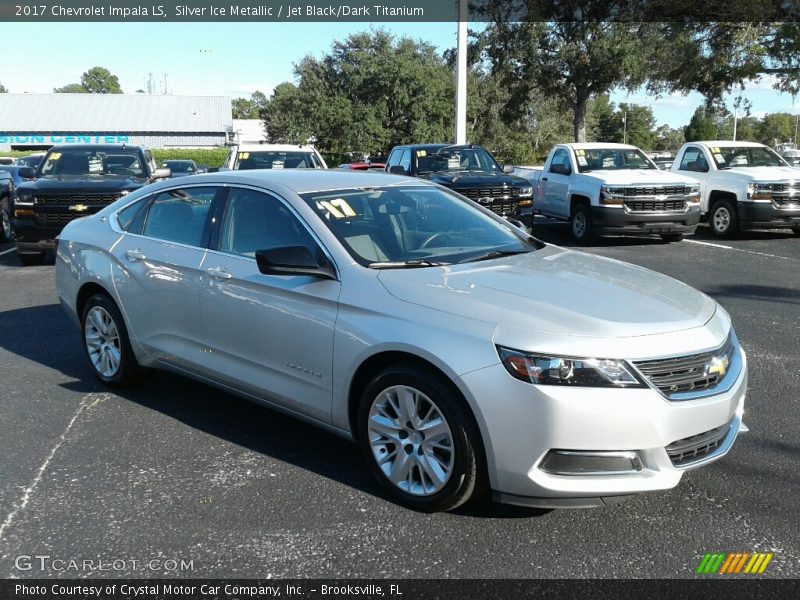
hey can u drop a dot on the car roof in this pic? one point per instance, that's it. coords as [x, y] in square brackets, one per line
[99, 147]
[302, 181]
[599, 146]
[729, 144]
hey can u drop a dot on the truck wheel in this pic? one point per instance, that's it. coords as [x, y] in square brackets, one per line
[5, 223]
[580, 224]
[796, 230]
[723, 219]
[672, 237]
[33, 258]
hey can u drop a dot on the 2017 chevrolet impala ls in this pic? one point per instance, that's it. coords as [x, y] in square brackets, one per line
[459, 352]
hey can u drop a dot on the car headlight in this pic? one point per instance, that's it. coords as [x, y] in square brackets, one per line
[553, 370]
[525, 192]
[612, 195]
[759, 191]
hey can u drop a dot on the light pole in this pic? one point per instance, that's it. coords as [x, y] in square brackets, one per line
[461, 75]
[625, 127]
[735, 121]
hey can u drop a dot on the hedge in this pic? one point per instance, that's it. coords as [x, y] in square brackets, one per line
[214, 157]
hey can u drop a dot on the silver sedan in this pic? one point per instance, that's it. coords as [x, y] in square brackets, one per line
[460, 353]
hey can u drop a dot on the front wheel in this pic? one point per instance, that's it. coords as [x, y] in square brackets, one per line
[419, 440]
[580, 224]
[5, 223]
[106, 343]
[723, 219]
[796, 230]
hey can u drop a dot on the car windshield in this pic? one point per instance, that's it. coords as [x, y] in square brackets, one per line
[29, 161]
[87, 162]
[180, 166]
[746, 156]
[455, 158]
[273, 159]
[611, 159]
[411, 226]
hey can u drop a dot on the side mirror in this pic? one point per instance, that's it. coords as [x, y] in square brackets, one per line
[162, 173]
[508, 168]
[27, 173]
[398, 170]
[293, 260]
[561, 169]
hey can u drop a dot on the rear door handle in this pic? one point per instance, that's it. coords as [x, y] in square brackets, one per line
[218, 273]
[135, 255]
[544, 178]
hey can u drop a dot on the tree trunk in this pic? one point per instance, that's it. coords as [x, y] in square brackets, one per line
[579, 121]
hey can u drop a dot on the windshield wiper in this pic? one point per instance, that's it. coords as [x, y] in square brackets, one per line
[495, 254]
[406, 264]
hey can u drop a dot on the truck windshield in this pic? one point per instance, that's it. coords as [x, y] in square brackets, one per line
[455, 158]
[272, 159]
[746, 156]
[611, 159]
[83, 162]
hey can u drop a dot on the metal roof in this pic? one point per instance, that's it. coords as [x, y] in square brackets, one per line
[77, 113]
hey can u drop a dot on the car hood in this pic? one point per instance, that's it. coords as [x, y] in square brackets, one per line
[86, 185]
[556, 291]
[469, 179]
[640, 177]
[763, 173]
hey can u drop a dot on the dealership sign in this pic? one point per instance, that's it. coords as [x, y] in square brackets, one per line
[63, 138]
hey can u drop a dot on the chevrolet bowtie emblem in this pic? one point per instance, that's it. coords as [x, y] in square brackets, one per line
[79, 208]
[718, 365]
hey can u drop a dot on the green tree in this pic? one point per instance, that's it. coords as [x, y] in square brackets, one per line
[71, 88]
[776, 128]
[701, 126]
[97, 80]
[638, 125]
[668, 139]
[3, 89]
[244, 109]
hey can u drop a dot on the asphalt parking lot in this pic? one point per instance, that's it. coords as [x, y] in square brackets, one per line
[178, 471]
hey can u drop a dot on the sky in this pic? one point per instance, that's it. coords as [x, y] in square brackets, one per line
[236, 59]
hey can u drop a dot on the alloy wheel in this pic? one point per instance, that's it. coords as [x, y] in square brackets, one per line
[722, 219]
[102, 341]
[411, 441]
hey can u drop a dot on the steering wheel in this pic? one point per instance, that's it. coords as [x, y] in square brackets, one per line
[434, 237]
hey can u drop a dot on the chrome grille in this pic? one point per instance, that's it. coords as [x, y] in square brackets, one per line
[786, 187]
[670, 190]
[70, 199]
[655, 205]
[690, 449]
[787, 201]
[685, 373]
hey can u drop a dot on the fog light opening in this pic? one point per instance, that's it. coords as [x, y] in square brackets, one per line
[582, 462]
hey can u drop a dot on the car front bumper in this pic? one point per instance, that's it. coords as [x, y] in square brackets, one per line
[523, 423]
[617, 220]
[767, 215]
[32, 238]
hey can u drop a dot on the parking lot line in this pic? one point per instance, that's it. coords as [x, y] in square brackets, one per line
[724, 247]
[8, 251]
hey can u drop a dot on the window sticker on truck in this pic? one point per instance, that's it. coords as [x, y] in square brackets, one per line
[421, 153]
[719, 158]
[582, 161]
[244, 155]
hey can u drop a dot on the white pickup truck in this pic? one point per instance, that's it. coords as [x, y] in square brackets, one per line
[743, 185]
[611, 189]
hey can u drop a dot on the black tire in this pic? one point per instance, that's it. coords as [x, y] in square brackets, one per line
[723, 219]
[796, 230]
[128, 372]
[31, 259]
[580, 224]
[672, 237]
[5, 222]
[467, 470]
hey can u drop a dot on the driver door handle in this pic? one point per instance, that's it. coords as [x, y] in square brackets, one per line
[134, 255]
[544, 178]
[218, 273]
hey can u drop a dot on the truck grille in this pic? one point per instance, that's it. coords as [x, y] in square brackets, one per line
[686, 373]
[655, 205]
[60, 218]
[500, 200]
[793, 186]
[67, 200]
[690, 449]
[787, 201]
[670, 190]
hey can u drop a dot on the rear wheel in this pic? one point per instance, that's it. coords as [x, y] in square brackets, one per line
[581, 225]
[672, 237]
[723, 219]
[796, 230]
[419, 440]
[106, 343]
